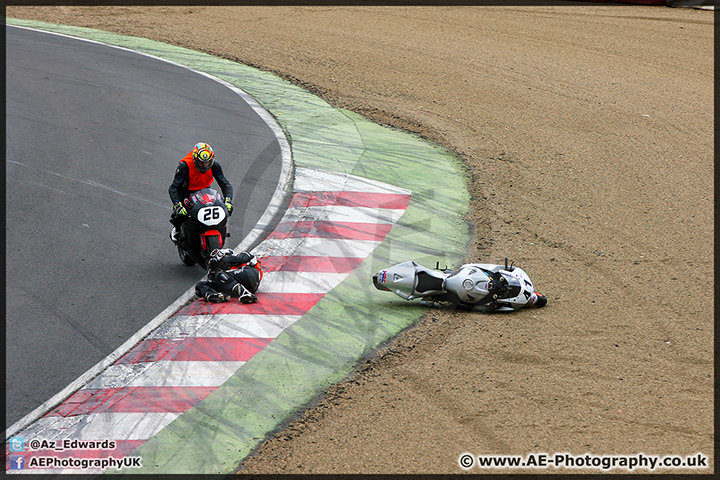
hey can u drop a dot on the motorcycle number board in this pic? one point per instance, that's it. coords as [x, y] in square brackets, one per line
[211, 215]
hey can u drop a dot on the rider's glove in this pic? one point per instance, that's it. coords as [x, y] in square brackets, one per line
[179, 209]
[217, 255]
[253, 260]
[229, 205]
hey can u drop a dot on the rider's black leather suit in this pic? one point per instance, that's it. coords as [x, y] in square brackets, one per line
[229, 275]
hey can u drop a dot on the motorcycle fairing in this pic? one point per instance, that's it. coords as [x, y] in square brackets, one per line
[474, 284]
[208, 219]
[470, 282]
[204, 239]
[520, 288]
[409, 280]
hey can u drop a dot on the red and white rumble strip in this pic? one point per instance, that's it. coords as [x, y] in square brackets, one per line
[333, 223]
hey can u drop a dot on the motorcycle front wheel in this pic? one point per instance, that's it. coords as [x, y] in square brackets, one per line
[185, 257]
[541, 300]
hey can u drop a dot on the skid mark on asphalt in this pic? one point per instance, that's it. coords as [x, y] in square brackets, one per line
[333, 223]
[90, 183]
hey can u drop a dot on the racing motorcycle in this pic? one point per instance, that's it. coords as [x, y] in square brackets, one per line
[205, 229]
[481, 286]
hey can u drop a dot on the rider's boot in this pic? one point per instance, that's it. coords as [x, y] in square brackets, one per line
[174, 234]
[216, 297]
[246, 296]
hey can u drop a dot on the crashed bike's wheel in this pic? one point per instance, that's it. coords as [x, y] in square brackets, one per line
[185, 257]
[541, 300]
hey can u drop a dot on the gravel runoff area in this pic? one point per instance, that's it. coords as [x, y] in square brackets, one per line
[587, 132]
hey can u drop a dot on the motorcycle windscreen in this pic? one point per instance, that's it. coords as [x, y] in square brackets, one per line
[513, 289]
[206, 196]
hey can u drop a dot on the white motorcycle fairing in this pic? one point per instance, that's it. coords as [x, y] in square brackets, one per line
[493, 287]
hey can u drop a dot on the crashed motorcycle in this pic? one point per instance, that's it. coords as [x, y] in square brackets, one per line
[480, 286]
[205, 228]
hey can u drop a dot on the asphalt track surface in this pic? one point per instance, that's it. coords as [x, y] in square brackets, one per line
[93, 137]
[325, 344]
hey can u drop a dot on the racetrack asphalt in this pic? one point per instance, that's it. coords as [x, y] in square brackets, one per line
[352, 320]
[93, 137]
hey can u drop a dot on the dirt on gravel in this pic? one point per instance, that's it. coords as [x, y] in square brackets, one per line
[588, 133]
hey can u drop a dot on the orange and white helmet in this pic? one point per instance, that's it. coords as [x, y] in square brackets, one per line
[203, 156]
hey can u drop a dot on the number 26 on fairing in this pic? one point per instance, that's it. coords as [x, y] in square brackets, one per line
[211, 215]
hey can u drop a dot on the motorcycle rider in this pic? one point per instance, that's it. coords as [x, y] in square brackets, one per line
[230, 275]
[195, 171]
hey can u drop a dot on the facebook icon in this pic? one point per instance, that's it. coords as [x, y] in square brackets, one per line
[17, 462]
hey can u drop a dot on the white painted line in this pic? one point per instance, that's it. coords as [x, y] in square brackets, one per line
[340, 213]
[225, 325]
[165, 373]
[183, 326]
[301, 282]
[98, 426]
[320, 247]
[119, 375]
[53, 428]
